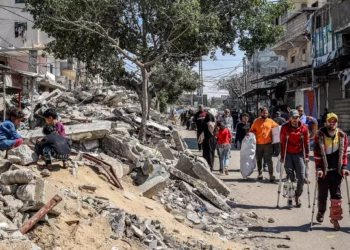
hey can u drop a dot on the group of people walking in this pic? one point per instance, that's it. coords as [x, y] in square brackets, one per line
[296, 134]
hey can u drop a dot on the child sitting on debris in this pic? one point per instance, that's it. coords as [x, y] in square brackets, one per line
[53, 147]
[51, 117]
[9, 138]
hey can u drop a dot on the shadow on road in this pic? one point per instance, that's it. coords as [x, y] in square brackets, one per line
[245, 206]
[282, 229]
[191, 143]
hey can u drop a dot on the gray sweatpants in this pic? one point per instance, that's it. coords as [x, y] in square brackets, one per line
[264, 151]
[295, 168]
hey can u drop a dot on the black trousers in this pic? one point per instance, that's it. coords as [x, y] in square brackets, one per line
[331, 183]
[209, 146]
[198, 134]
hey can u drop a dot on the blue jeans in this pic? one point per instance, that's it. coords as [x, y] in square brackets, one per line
[224, 156]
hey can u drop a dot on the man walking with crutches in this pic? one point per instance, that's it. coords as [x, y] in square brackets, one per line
[295, 155]
[330, 151]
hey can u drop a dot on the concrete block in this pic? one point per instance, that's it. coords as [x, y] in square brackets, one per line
[21, 176]
[117, 166]
[44, 192]
[185, 164]
[178, 141]
[22, 155]
[154, 185]
[166, 151]
[212, 181]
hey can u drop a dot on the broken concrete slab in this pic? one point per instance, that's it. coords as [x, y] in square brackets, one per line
[21, 176]
[118, 167]
[165, 151]
[185, 164]
[79, 132]
[180, 146]
[154, 185]
[202, 188]
[212, 181]
[44, 192]
[26, 192]
[22, 155]
[91, 144]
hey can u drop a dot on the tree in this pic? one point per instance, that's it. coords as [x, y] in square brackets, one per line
[146, 32]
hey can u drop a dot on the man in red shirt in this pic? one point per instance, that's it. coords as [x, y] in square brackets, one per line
[298, 143]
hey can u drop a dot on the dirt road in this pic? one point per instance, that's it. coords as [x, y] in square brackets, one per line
[261, 197]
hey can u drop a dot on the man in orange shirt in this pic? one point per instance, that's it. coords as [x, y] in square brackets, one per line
[262, 128]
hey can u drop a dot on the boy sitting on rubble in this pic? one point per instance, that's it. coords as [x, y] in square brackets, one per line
[51, 117]
[9, 138]
[53, 147]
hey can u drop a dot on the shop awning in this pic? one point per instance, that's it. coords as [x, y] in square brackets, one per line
[285, 73]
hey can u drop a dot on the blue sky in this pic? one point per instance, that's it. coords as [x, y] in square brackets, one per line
[214, 70]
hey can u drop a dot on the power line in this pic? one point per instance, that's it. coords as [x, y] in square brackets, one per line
[17, 14]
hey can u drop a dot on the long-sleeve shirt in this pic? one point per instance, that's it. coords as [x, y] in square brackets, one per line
[262, 128]
[241, 131]
[295, 140]
[8, 134]
[228, 121]
[199, 120]
[56, 142]
[60, 129]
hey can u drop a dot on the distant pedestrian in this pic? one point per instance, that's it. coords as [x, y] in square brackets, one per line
[224, 141]
[199, 120]
[298, 143]
[227, 120]
[241, 130]
[209, 142]
[309, 121]
[262, 128]
[278, 119]
[331, 160]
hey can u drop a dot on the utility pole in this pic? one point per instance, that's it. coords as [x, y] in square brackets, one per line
[245, 83]
[201, 78]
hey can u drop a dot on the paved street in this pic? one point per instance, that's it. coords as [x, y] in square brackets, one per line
[261, 198]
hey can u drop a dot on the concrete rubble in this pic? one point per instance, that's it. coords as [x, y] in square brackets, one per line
[103, 124]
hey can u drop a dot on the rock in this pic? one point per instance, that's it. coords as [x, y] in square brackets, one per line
[149, 207]
[91, 144]
[22, 155]
[6, 190]
[89, 187]
[137, 231]
[284, 246]
[45, 173]
[168, 208]
[4, 165]
[178, 141]
[2, 152]
[179, 218]
[150, 165]
[26, 192]
[151, 241]
[129, 195]
[252, 215]
[219, 230]
[193, 217]
[271, 220]
[21, 176]
[117, 222]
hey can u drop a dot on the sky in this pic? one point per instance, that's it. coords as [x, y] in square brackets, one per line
[223, 66]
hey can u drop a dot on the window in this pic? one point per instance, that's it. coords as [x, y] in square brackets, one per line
[20, 1]
[277, 21]
[292, 59]
[290, 86]
[51, 68]
[318, 22]
[20, 29]
[315, 4]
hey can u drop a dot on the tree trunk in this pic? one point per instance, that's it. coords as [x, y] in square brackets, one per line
[145, 78]
[149, 104]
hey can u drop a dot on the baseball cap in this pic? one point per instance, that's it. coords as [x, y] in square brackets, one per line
[294, 113]
[331, 115]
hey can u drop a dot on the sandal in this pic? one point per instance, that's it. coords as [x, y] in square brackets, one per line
[320, 217]
[65, 165]
[226, 170]
[335, 225]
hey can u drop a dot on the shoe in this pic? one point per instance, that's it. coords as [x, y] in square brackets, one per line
[320, 217]
[297, 202]
[226, 170]
[260, 177]
[290, 203]
[272, 178]
[336, 225]
[221, 171]
[65, 165]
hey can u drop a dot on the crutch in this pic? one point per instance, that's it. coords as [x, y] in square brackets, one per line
[281, 173]
[306, 171]
[313, 206]
[347, 192]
